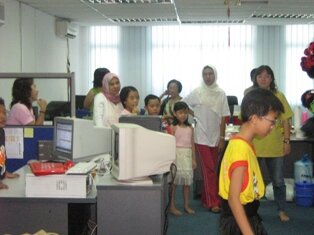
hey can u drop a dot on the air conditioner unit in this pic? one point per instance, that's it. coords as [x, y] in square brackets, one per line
[1, 13]
[66, 29]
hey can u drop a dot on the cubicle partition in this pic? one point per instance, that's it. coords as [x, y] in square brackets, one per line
[58, 89]
[53, 87]
[31, 136]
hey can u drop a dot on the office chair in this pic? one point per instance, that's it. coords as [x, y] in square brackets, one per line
[79, 101]
[232, 101]
[57, 109]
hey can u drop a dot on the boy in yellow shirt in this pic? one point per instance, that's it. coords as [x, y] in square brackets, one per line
[240, 180]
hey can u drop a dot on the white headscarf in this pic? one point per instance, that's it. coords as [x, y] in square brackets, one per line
[209, 95]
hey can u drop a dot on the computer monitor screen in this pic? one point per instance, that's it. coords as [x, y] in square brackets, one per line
[79, 140]
[150, 122]
[64, 136]
[139, 152]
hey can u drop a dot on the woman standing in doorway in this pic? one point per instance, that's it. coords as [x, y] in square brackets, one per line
[210, 107]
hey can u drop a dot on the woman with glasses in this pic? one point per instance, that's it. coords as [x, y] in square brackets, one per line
[273, 148]
[174, 88]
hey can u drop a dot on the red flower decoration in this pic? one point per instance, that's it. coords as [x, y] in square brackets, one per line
[307, 61]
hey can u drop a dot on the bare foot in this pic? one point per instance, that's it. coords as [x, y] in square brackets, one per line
[189, 210]
[10, 175]
[3, 186]
[283, 216]
[175, 211]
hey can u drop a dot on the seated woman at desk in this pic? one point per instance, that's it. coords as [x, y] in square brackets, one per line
[24, 93]
[3, 172]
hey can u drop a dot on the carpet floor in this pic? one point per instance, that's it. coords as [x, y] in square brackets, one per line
[204, 222]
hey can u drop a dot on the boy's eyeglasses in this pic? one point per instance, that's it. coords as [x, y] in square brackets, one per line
[272, 122]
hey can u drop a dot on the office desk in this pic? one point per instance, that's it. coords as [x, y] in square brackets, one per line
[131, 209]
[20, 214]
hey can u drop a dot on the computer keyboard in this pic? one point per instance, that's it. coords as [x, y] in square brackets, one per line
[47, 168]
[81, 168]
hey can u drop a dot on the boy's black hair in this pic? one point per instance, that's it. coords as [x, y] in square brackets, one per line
[180, 105]
[124, 93]
[2, 101]
[259, 102]
[150, 97]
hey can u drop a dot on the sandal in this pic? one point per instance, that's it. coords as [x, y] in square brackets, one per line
[215, 209]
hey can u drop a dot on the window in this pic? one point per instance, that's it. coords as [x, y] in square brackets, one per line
[181, 52]
[148, 57]
[104, 44]
[298, 37]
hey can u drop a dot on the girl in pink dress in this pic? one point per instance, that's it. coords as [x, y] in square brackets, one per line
[185, 157]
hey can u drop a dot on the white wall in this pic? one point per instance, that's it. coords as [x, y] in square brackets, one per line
[10, 56]
[28, 43]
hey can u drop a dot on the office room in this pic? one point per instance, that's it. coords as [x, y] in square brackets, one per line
[147, 44]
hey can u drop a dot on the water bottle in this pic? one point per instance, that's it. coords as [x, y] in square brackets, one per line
[303, 170]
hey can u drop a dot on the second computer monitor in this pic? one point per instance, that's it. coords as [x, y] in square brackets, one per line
[79, 140]
[150, 122]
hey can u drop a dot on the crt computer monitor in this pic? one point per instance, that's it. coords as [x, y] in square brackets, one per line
[151, 122]
[78, 139]
[138, 152]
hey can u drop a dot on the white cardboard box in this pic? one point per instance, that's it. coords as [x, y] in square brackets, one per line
[65, 186]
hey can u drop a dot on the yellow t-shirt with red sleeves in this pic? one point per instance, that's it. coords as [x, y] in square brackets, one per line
[240, 153]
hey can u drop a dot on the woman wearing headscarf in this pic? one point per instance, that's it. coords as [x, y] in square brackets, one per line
[107, 105]
[210, 107]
